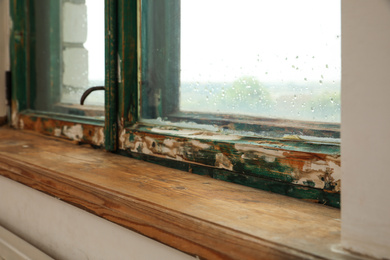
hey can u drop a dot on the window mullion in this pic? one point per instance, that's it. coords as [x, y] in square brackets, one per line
[111, 80]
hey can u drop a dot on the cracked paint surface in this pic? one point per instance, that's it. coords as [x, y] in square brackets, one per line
[315, 170]
[76, 132]
[73, 132]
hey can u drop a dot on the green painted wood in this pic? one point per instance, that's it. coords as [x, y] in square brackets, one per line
[31, 45]
[18, 43]
[246, 167]
[284, 188]
[44, 54]
[271, 127]
[111, 79]
[128, 62]
[160, 58]
[34, 116]
[55, 52]
[251, 161]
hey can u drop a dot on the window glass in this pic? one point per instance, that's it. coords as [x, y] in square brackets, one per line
[68, 55]
[263, 58]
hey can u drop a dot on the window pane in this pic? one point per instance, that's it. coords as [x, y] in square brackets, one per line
[265, 58]
[67, 55]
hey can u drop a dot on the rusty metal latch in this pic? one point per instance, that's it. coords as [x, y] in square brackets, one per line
[89, 91]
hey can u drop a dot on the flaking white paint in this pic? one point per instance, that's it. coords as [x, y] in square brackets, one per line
[73, 132]
[223, 162]
[200, 145]
[57, 132]
[98, 136]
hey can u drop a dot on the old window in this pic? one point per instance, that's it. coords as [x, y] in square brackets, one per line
[205, 87]
[251, 62]
[64, 56]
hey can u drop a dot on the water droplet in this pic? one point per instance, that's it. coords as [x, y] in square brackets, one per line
[312, 109]
[305, 79]
[296, 57]
[295, 96]
[248, 86]
[331, 100]
[326, 66]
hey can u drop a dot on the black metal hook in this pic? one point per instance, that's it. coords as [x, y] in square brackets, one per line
[89, 91]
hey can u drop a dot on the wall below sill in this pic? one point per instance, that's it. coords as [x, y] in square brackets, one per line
[66, 232]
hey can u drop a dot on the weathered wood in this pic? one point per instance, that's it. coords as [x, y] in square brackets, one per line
[301, 169]
[3, 120]
[111, 69]
[77, 132]
[195, 214]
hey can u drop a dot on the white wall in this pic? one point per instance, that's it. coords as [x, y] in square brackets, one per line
[4, 56]
[66, 232]
[365, 129]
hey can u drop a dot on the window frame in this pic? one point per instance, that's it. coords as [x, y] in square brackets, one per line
[282, 165]
[166, 106]
[89, 130]
[172, 146]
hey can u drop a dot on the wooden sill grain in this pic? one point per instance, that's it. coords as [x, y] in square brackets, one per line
[195, 214]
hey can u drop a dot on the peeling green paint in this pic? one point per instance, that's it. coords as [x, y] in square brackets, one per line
[245, 161]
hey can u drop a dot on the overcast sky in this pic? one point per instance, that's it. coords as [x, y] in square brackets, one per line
[269, 39]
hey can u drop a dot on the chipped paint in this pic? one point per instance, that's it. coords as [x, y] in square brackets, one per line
[196, 134]
[21, 124]
[57, 132]
[307, 169]
[259, 149]
[223, 162]
[119, 69]
[15, 115]
[124, 142]
[98, 137]
[73, 132]
[200, 145]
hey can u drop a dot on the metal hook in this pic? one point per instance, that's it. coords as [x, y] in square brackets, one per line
[89, 91]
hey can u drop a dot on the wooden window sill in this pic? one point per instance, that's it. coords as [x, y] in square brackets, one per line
[195, 214]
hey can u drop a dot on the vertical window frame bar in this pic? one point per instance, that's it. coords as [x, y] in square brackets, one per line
[111, 79]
